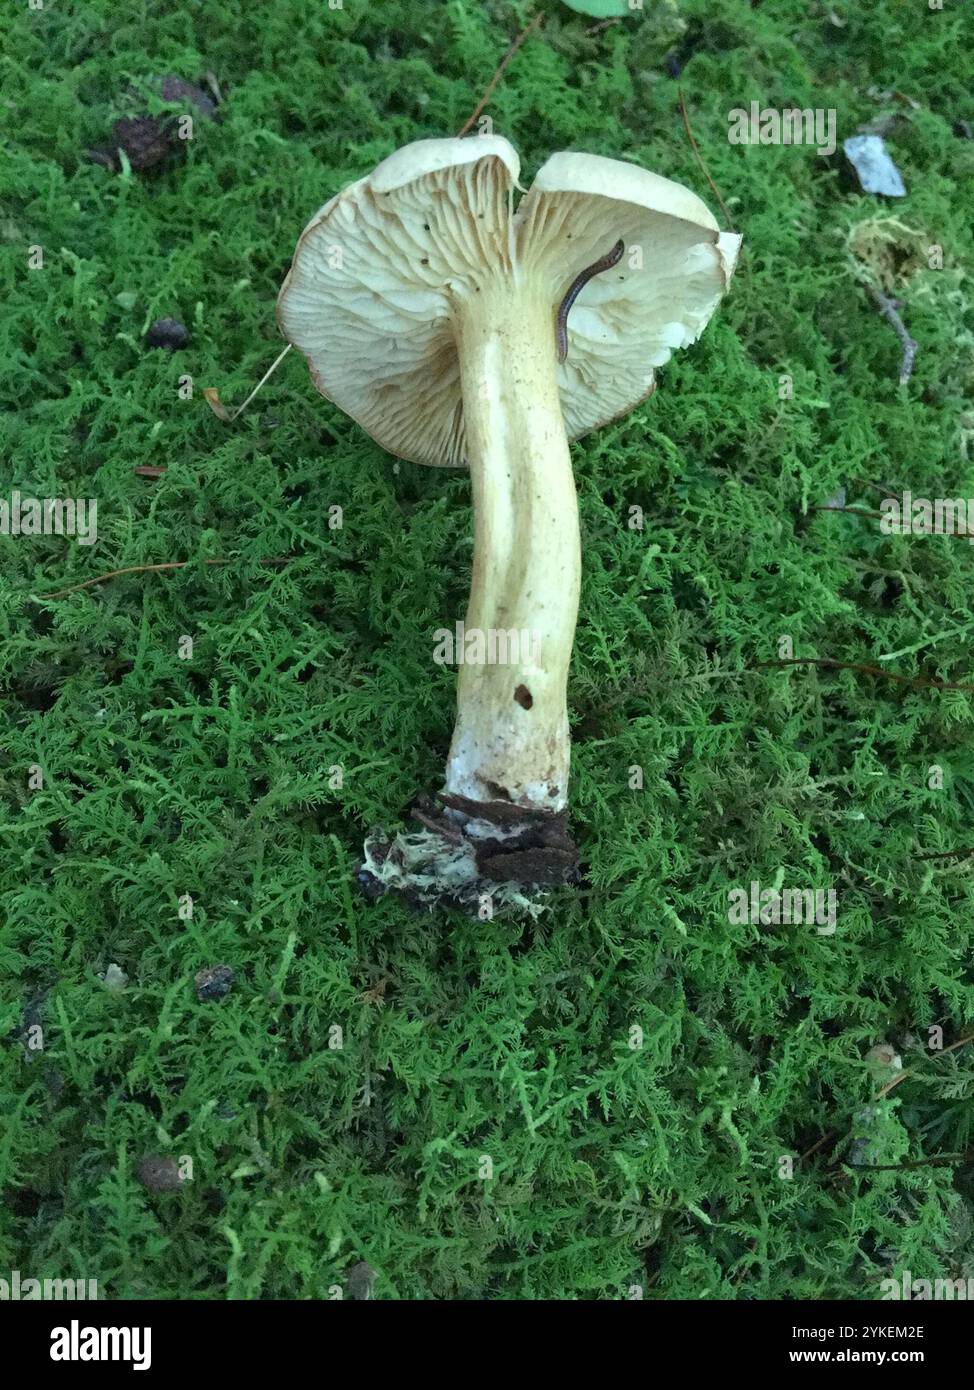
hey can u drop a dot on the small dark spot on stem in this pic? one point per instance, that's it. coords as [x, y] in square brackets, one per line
[524, 697]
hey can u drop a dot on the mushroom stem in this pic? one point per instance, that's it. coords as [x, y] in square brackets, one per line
[511, 740]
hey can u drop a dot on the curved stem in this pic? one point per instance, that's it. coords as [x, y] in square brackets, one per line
[511, 739]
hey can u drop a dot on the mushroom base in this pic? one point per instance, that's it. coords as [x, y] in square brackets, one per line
[484, 857]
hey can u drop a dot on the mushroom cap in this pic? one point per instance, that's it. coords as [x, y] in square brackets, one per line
[382, 270]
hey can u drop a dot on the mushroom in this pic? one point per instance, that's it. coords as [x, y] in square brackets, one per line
[459, 331]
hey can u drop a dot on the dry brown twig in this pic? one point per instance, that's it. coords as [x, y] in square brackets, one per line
[865, 511]
[212, 396]
[920, 682]
[699, 157]
[145, 569]
[911, 1071]
[525, 34]
[853, 511]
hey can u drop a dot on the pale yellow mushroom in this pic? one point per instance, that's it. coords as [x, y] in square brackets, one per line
[427, 305]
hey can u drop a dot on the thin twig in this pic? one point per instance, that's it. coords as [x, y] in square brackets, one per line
[916, 531]
[706, 171]
[938, 1161]
[911, 1071]
[145, 569]
[270, 371]
[888, 308]
[853, 511]
[887, 489]
[921, 682]
[816, 1146]
[212, 396]
[524, 34]
[947, 854]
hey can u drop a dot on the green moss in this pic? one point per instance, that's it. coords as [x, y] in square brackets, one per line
[613, 1165]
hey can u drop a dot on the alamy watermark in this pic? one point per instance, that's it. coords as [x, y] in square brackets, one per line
[494, 647]
[77, 1343]
[921, 516]
[24, 1290]
[912, 1290]
[759, 125]
[777, 907]
[50, 516]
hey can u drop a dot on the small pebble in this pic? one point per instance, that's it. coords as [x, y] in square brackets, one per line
[175, 88]
[159, 1174]
[884, 1058]
[371, 887]
[148, 141]
[359, 1281]
[213, 982]
[54, 1082]
[167, 333]
[145, 140]
[874, 167]
[114, 978]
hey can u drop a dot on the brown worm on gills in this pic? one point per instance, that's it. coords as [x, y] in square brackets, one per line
[575, 289]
